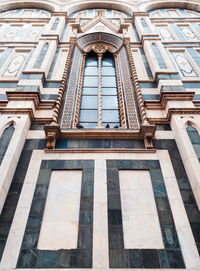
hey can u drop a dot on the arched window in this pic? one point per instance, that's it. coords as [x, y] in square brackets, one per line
[99, 101]
[194, 138]
[5, 140]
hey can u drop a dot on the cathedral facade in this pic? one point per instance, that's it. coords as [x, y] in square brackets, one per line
[100, 135]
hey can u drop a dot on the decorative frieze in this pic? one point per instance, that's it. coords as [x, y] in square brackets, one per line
[63, 83]
[99, 37]
[132, 117]
[71, 90]
[78, 98]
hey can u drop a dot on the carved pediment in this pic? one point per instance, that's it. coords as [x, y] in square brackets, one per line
[100, 24]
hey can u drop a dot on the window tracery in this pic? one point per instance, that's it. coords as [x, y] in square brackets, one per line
[99, 101]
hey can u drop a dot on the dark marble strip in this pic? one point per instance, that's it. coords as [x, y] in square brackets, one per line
[184, 186]
[36, 126]
[10, 205]
[41, 56]
[100, 143]
[30, 256]
[119, 257]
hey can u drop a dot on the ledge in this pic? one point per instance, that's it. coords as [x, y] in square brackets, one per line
[117, 150]
[53, 132]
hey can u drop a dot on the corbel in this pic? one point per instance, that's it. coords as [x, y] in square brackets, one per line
[122, 27]
[52, 132]
[77, 26]
[148, 132]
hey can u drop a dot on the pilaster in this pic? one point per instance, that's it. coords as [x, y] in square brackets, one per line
[188, 155]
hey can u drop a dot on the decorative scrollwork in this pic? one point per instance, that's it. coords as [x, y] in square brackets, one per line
[128, 92]
[100, 48]
[113, 40]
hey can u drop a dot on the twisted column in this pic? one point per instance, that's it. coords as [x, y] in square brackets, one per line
[120, 96]
[99, 92]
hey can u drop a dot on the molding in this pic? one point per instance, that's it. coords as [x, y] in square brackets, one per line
[117, 150]
[29, 111]
[147, 132]
[171, 112]
[158, 4]
[30, 96]
[169, 96]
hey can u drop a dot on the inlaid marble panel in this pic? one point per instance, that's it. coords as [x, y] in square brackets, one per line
[15, 65]
[165, 33]
[34, 255]
[34, 32]
[59, 228]
[133, 257]
[183, 64]
[141, 226]
[11, 32]
[188, 33]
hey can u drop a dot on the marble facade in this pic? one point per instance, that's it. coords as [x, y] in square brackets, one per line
[119, 187]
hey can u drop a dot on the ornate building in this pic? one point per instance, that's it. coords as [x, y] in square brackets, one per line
[100, 135]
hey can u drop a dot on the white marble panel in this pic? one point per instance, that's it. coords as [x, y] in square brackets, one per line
[141, 226]
[59, 228]
[100, 220]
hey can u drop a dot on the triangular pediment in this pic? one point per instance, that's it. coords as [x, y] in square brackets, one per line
[100, 24]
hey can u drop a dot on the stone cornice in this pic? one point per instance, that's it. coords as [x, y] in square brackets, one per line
[176, 111]
[169, 96]
[53, 132]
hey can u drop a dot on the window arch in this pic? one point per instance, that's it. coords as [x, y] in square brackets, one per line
[5, 140]
[173, 13]
[99, 105]
[120, 83]
[25, 13]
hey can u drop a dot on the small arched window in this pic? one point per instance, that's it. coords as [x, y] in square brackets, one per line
[5, 140]
[194, 138]
[99, 107]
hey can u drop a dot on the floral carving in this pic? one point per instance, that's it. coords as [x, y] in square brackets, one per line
[100, 38]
